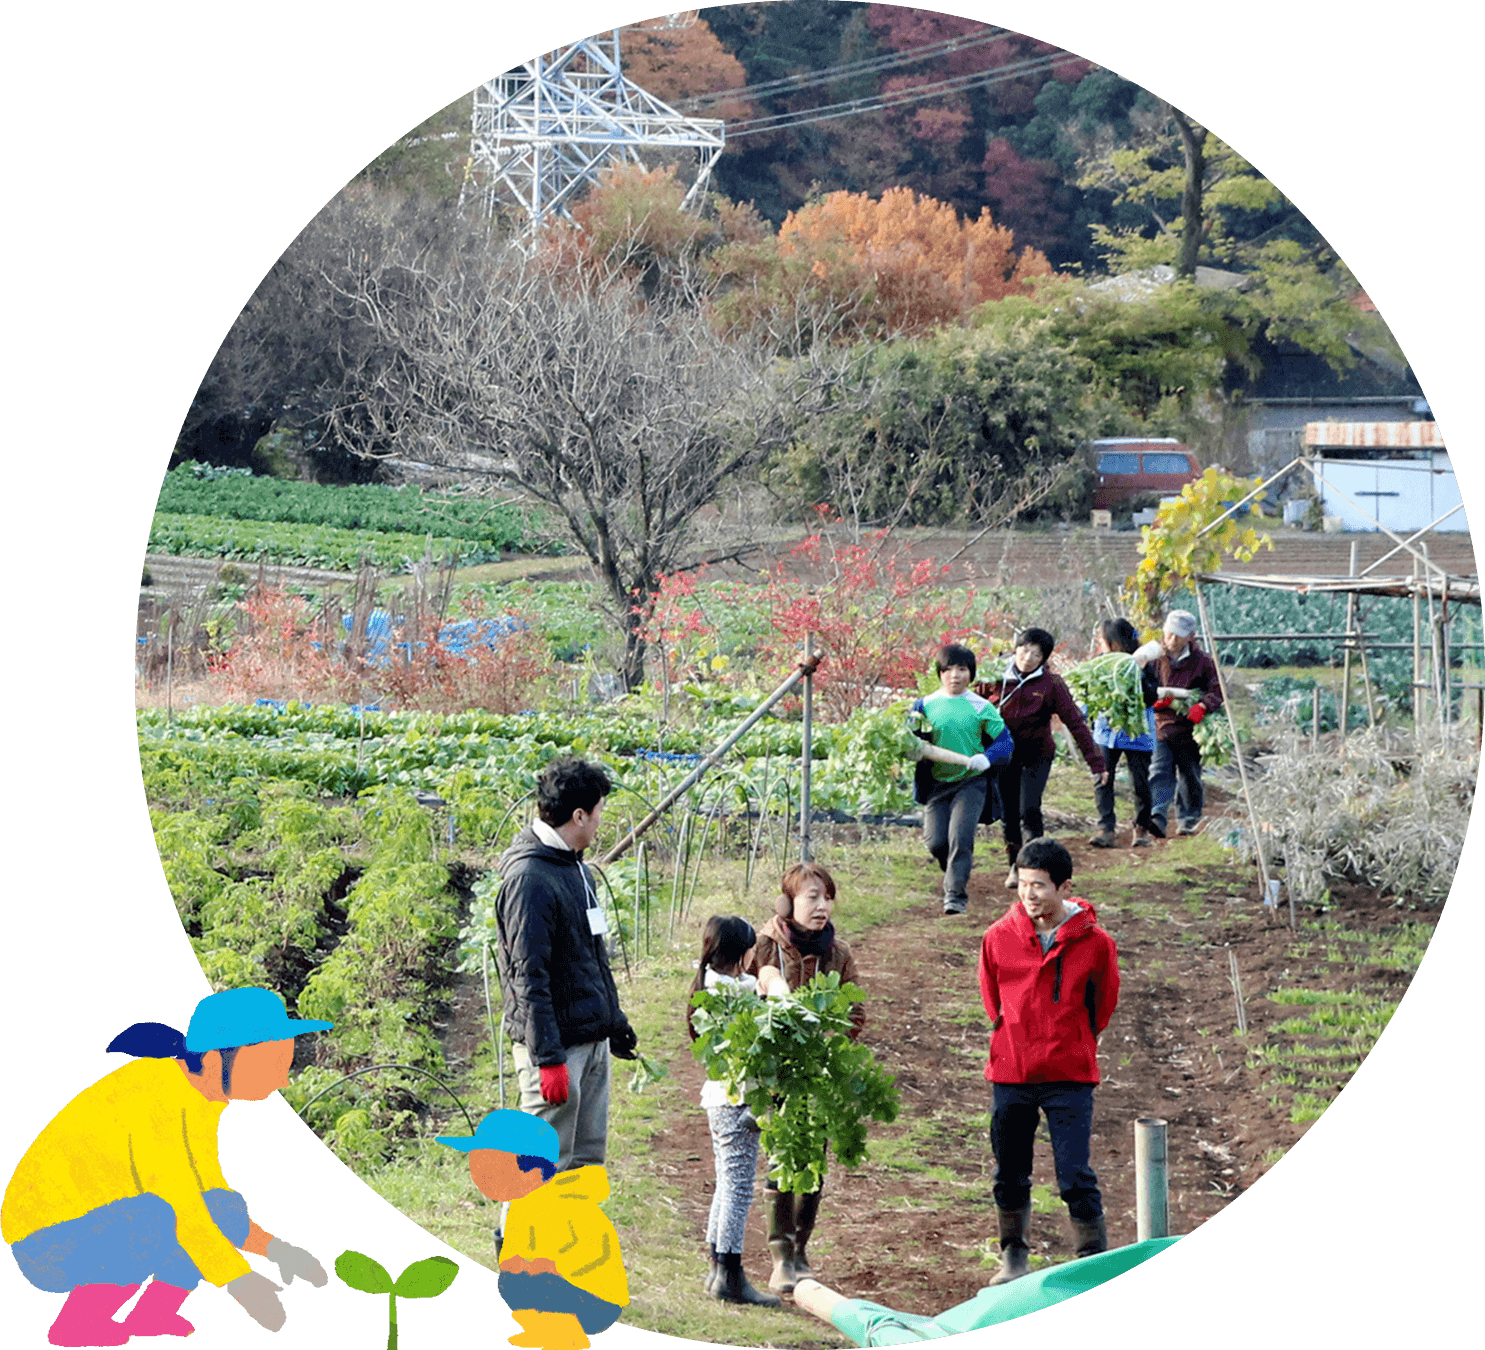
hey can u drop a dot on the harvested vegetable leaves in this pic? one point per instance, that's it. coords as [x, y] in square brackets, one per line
[1109, 685]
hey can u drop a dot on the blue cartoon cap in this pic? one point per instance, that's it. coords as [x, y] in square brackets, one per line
[243, 1017]
[510, 1132]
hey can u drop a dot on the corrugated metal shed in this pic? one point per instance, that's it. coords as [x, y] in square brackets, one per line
[1374, 435]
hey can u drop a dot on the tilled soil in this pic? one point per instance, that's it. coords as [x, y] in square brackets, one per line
[913, 1230]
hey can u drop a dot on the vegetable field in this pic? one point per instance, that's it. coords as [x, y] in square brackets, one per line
[343, 854]
[230, 513]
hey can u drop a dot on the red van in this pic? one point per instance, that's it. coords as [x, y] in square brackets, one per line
[1133, 467]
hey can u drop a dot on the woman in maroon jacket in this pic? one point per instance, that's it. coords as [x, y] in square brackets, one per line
[1189, 690]
[1028, 697]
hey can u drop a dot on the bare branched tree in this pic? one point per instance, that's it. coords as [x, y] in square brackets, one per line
[624, 415]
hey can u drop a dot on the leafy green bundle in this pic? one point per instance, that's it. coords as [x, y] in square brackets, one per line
[1110, 685]
[792, 1062]
[1213, 735]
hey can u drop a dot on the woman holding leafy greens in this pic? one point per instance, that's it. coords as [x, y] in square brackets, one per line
[798, 943]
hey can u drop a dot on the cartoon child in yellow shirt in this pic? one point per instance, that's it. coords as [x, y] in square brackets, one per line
[561, 1271]
[124, 1185]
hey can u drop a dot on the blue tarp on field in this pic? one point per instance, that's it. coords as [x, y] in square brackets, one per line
[462, 637]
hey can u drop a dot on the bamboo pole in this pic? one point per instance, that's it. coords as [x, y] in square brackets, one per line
[1237, 750]
[1434, 686]
[1346, 658]
[806, 850]
[711, 759]
[1417, 655]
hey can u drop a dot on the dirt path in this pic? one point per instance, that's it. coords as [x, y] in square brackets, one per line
[911, 1228]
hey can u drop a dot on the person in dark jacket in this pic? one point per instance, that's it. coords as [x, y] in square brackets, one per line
[1049, 980]
[1029, 696]
[1189, 690]
[561, 1005]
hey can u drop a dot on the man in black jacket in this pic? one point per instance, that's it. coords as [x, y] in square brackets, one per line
[561, 1005]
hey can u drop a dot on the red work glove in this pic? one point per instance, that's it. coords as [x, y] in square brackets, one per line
[1161, 703]
[554, 1083]
[1196, 714]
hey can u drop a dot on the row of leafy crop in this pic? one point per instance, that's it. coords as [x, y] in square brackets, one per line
[480, 763]
[324, 546]
[369, 507]
[342, 906]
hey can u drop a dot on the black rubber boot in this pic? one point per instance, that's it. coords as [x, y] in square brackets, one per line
[732, 1283]
[1091, 1236]
[806, 1207]
[713, 1268]
[1015, 1254]
[781, 1241]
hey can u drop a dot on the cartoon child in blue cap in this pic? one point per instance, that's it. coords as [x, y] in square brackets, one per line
[124, 1184]
[561, 1272]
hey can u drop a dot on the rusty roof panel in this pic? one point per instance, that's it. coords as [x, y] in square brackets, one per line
[1375, 435]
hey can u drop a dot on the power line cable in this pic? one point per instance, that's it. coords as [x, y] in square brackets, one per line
[866, 66]
[900, 98]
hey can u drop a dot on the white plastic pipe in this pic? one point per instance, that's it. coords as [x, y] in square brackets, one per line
[1151, 1183]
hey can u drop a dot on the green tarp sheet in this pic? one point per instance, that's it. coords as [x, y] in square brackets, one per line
[871, 1324]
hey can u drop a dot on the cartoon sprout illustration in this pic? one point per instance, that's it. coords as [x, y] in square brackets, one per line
[422, 1279]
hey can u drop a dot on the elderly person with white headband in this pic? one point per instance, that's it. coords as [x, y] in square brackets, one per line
[1189, 691]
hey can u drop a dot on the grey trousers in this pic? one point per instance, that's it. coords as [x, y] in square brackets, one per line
[581, 1121]
[950, 818]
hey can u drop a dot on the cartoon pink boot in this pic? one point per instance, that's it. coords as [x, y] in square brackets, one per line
[157, 1312]
[87, 1316]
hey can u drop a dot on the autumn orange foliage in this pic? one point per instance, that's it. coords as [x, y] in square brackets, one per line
[900, 264]
[677, 65]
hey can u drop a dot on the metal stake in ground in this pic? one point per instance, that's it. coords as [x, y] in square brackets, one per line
[1237, 750]
[712, 758]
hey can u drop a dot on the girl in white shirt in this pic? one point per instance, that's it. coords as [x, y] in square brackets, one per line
[726, 945]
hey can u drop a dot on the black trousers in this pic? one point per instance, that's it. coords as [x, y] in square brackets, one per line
[1022, 783]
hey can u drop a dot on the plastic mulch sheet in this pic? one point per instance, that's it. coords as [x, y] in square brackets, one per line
[871, 1324]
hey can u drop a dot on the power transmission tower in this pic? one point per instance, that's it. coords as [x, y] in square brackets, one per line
[546, 128]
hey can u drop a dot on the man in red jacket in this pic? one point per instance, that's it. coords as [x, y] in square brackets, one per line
[1049, 978]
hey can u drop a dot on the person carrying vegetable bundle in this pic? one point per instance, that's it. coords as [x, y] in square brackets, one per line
[1189, 689]
[955, 728]
[1028, 697]
[798, 943]
[727, 944]
[1119, 636]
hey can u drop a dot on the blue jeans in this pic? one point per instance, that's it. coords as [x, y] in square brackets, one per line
[125, 1242]
[950, 817]
[1069, 1111]
[1175, 771]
